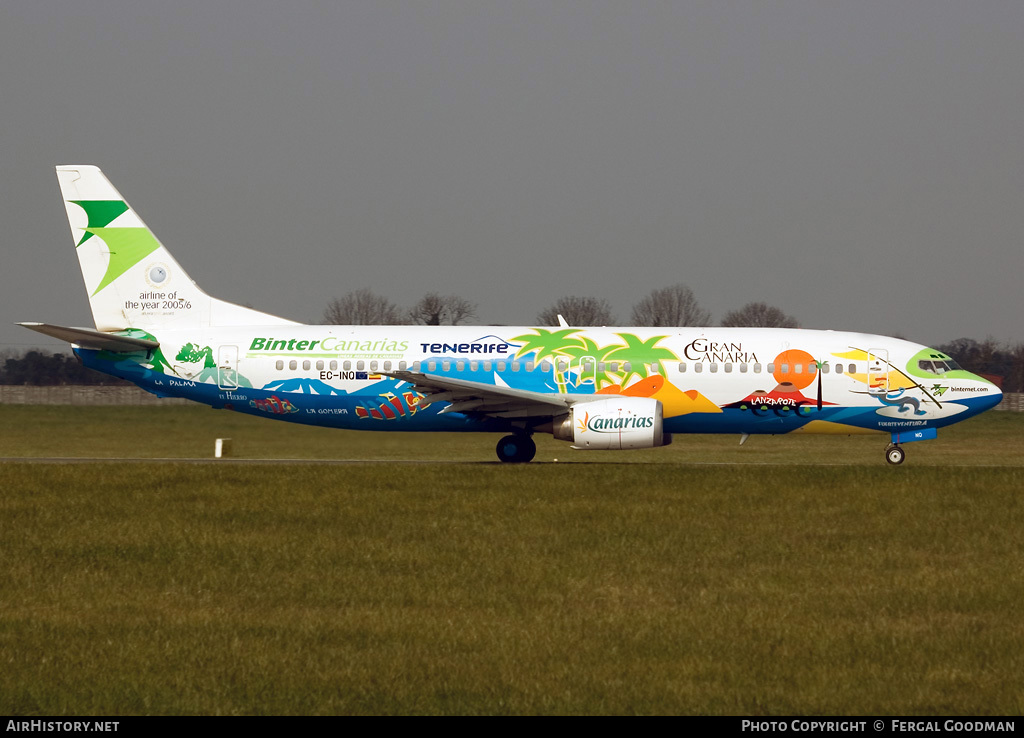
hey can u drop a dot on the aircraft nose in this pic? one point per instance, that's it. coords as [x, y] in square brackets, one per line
[997, 396]
[993, 397]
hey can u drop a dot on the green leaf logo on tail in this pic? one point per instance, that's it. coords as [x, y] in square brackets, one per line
[100, 213]
[128, 246]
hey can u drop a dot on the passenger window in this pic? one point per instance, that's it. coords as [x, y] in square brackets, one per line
[333, 365]
[757, 368]
[501, 366]
[487, 366]
[728, 368]
[387, 366]
[279, 365]
[743, 368]
[785, 368]
[613, 366]
[293, 364]
[402, 366]
[348, 366]
[446, 366]
[797, 369]
[627, 366]
[698, 367]
[460, 366]
[713, 368]
[562, 366]
[515, 366]
[306, 365]
[682, 367]
[432, 366]
[771, 367]
[474, 366]
[360, 366]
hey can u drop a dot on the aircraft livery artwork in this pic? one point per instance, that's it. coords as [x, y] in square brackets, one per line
[598, 388]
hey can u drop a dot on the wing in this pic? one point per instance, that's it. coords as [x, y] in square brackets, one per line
[488, 399]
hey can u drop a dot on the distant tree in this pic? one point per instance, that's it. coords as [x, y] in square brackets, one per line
[362, 307]
[670, 306]
[435, 309]
[1015, 379]
[759, 315]
[982, 357]
[578, 311]
[38, 368]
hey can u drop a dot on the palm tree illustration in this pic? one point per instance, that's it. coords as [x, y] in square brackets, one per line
[548, 344]
[820, 365]
[640, 355]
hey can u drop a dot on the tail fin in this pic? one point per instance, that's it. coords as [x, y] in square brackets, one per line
[132, 279]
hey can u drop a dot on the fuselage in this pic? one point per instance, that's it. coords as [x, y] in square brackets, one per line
[708, 380]
[598, 388]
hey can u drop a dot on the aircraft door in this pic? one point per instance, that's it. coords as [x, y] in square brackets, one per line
[560, 369]
[878, 370]
[586, 373]
[227, 367]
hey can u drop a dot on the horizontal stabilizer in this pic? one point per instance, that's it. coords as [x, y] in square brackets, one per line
[92, 339]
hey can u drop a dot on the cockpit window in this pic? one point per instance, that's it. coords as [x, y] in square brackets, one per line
[936, 366]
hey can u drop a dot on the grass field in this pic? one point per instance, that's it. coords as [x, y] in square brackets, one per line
[790, 576]
[190, 432]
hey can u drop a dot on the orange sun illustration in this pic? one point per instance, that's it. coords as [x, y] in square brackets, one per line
[786, 364]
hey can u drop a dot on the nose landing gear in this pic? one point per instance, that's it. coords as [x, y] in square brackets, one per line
[895, 454]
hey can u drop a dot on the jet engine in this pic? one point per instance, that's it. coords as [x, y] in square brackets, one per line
[613, 423]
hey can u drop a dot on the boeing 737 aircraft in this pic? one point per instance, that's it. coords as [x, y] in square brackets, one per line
[596, 387]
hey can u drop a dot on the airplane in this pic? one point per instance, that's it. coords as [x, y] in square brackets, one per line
[595, 387]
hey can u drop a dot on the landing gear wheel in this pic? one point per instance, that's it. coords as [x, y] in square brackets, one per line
[895, 455]
[516, 449]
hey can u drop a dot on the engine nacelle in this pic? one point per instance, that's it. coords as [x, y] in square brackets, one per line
[614, 423]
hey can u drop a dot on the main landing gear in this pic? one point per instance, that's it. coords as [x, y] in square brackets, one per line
[516, 449]
[895, 454]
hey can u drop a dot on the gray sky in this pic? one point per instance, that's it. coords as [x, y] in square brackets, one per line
[858, 164]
